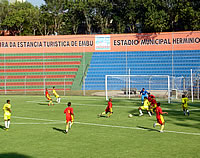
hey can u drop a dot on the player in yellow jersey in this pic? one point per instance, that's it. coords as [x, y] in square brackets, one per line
[145, 106]
[56, 95]
[7, 114]
[185, 105]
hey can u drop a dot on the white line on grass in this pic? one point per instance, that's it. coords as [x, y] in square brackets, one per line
[101, 125]
[33, 123]
[98, 105]
[38, 119]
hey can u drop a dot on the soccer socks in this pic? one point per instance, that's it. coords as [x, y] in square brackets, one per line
[140, 111]
[67, 127]
[109, 114]
[103, 113]
[184, 112]
[155, 124]
[71, 124]
[59, 100]
[162, 127]
[149, 113]
[188, 112]
[8, 124]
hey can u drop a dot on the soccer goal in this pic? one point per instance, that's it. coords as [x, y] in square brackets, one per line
[130, 85]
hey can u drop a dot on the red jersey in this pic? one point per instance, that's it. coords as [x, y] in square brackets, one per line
[158, 112]
[46, 93]
[68, 111]
[109, 106]
[153, 102]
[149, 97]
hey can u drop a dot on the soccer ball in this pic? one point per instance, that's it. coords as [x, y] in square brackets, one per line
[130, 115]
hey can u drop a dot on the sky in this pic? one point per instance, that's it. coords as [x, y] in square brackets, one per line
[36, 2]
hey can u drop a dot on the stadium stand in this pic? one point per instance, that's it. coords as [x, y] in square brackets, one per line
[140, 63]
[34, 71]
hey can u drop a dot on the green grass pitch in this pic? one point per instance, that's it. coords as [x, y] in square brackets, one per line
[36, 130]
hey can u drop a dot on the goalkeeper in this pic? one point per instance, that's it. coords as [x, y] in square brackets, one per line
[144, 94]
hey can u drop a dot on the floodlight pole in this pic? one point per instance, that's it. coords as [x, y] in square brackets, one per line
[169, 90]
[192, 86]
[129, 84]
[106, 88]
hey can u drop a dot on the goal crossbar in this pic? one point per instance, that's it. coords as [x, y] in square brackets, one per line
[129, 82]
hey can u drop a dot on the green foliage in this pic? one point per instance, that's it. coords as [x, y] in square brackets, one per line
[98, 16]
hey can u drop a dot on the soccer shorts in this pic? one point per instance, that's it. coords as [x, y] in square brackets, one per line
[108, 110]
[57, 96]
[68, 119]
[185, 106]
[142, 97]
[48, 97]
[7, 116]
[144, 107]
[161, 120]
[154, 106]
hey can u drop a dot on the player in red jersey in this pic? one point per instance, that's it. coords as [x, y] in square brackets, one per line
[108, 109]
[153, 104]
[69, 116]
[150, 96]
[160, 119]
[47, 95]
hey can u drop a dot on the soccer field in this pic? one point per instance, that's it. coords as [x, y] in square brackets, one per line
[36, 130]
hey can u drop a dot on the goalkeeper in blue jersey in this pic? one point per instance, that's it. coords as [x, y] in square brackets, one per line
[143, 94]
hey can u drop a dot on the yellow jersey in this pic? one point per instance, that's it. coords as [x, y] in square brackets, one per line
[185, 102]
[146, 103]
[55, 94]
[5, 108]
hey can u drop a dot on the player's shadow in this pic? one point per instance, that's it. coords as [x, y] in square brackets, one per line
[1, 127]
[43, 104]
[14, 155]
[47, 102]
[148, 129]
[102, 116]
[59, 130]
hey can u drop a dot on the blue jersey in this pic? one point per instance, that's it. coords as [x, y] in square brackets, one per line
[144, 92]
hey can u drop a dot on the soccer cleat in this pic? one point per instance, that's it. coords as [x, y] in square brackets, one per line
[99, 115]
[154, 125]
[161, 131]
[66, 131]
[140, 114]
[6, 129]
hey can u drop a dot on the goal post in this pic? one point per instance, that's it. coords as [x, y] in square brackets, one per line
[126, 85]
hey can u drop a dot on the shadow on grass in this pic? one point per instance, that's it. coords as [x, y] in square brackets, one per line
[14, 155]
[148, 129]
[1, 127]
[102, 116]
[43, 104]
[59, 130]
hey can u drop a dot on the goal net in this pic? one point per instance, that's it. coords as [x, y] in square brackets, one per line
[130, 85]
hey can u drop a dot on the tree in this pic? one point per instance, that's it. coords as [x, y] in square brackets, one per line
[17, 18]
[3, 11]
[103, 15]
